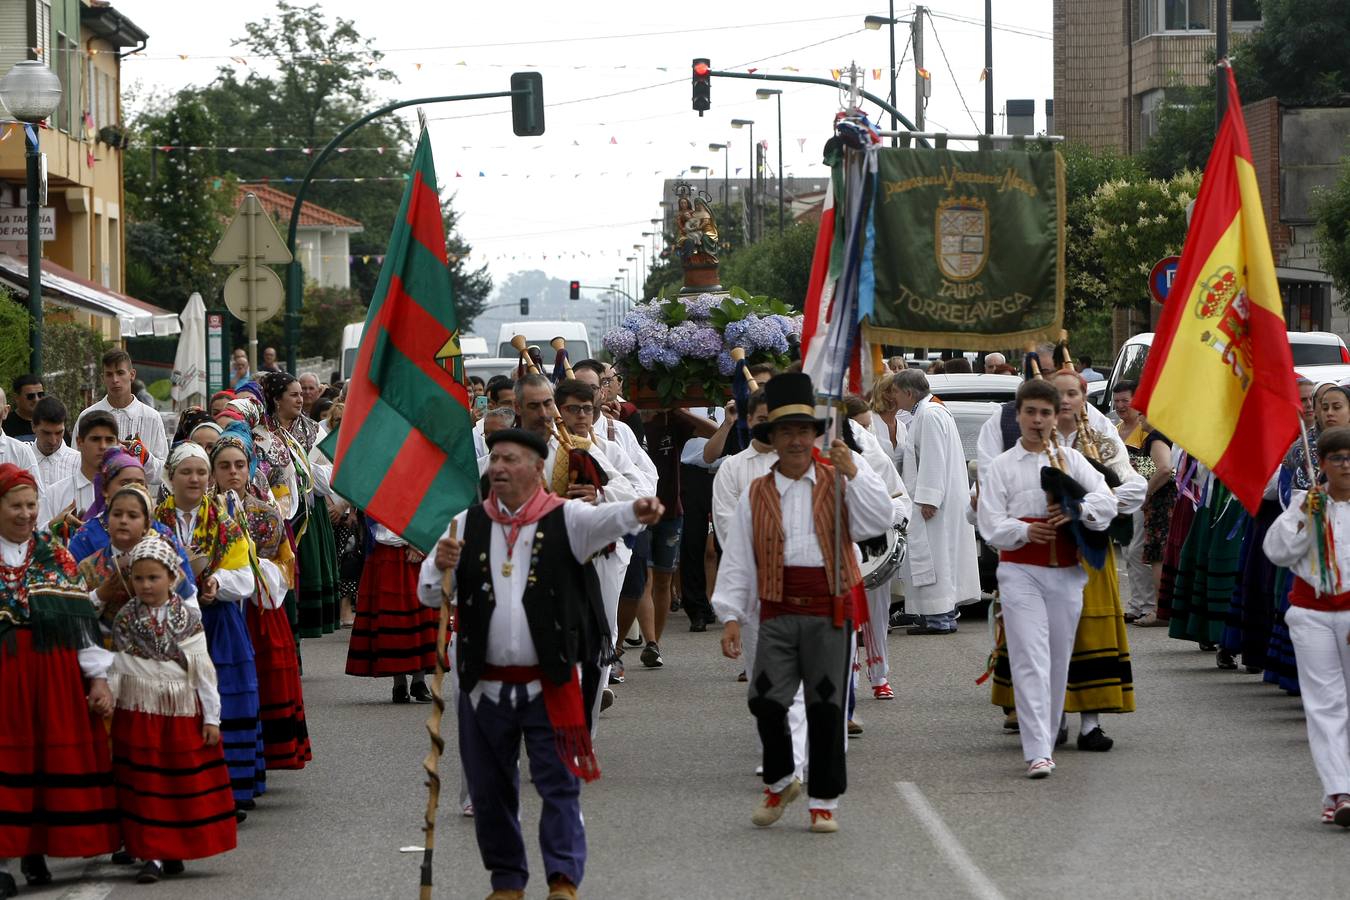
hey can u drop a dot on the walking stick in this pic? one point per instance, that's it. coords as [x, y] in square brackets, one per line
[433, 758]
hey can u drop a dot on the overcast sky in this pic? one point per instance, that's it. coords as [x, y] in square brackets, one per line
[574, 201]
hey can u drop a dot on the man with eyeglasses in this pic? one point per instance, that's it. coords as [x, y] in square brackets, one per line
[18, 452]
[27, 392]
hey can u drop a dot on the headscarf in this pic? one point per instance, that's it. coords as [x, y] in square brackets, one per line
[114, 461]
[140, 493]
[12, 476]
[239, 437]
[184, 451]
[152, 546]
[190, 421]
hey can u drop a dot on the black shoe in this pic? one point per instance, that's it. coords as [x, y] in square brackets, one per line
[34, 869]
[1095, 741]
[150, 873]
[7, 886]
[1207, 647]
[420, 692]
[1063, 737]
[173, 867]
[924, 629]
[240, 816]
[1131, 618]
[401, 694]
[606, 699]
[633, 642]
[1253, 670]
[651, 656]
[1224, 660]
[123, 858]
[245, 804]
[698, 625]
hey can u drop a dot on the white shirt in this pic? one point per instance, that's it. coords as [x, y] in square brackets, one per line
[618, 490]
[1289, 539]
[1133, 490]
[636, 474]
[618, 432]
[94, 661]
[387, 538]
[589, 529]
[21, 454]
[58, 465]
[733, 480]
[137, 419]
[869, 514]
[74, 489]
[881, 463]
[1011, 491]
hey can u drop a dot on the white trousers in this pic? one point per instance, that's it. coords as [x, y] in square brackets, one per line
[1324, 679]
[796, 712]
[610, 570]
[1041, 606]
[879, 613]
[1141, 600]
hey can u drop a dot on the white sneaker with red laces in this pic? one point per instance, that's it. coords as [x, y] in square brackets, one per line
[883, 691]
[823, 821]
[1328, 815]
[772, 807]
[1040, 768]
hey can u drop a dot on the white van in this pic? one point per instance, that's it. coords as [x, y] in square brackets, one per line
[540, 333]
[351, 343]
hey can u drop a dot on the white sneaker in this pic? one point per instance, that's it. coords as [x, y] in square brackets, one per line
[1040, 768]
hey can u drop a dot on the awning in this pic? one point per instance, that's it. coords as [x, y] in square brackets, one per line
[135, 318]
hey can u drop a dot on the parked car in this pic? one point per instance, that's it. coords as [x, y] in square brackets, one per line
[998, 388]
[1318, 355]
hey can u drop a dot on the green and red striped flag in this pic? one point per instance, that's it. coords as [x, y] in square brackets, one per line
[405, 452]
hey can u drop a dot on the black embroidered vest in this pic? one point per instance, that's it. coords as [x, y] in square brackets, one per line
[562, 601]
[1008, 426]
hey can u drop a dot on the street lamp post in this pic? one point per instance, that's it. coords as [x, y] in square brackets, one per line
[726, 173]
[874, 23]
[31, 92]
[749, 208]
[642, 258]
[704, 170]
[634, 270]
[765, 94]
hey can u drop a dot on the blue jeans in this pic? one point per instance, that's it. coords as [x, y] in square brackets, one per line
[666, 544]
[941, 622]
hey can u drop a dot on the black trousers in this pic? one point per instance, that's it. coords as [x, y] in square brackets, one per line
[696, 498]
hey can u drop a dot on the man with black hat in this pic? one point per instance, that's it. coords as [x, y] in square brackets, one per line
[528, 616]
[807, 586]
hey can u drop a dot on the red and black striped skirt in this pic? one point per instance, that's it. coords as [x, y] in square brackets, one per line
[393, 633]
[281, 698]
[56, 785]
[173, 791]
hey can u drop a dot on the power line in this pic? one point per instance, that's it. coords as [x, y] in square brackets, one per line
[956, 83]
[997, 26]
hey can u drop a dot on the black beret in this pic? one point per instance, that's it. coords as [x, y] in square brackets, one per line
[519, 436]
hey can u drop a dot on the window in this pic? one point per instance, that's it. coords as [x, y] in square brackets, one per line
[63, 67]
[1246, 13]
[1307, 307]
[1161, 16]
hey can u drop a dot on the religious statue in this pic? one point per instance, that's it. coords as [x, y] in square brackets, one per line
[696, 240]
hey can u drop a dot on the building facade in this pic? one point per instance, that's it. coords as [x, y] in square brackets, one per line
[322, 239]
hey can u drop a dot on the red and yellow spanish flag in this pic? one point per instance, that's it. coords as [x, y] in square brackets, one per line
[1219, 380]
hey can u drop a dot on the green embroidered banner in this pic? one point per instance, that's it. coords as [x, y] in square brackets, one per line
[969, 248]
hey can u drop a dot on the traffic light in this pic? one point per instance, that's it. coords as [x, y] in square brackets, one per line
[702, 86]
[527, 107]
[524, 306]
[574, 290]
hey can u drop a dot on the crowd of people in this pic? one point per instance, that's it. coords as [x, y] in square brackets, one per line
[156, 590]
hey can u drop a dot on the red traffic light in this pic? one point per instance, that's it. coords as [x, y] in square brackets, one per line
[574, 290]
[701, 68]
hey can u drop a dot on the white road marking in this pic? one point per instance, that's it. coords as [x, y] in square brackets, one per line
[979, 884]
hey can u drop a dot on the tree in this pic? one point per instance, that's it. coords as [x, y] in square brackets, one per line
[778, 266]
[1301, 53]
[1185, 136]
[326, 310]
[1333, 232]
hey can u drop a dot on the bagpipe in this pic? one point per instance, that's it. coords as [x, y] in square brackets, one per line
[582, 468]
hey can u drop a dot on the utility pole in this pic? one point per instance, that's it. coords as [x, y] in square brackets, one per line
[1220, 54]
[895, 99]
[916, 32]
[989, 66]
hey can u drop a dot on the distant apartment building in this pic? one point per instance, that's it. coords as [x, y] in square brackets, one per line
[1114, 61]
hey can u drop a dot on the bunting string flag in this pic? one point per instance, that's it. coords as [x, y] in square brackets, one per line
[1219, 380]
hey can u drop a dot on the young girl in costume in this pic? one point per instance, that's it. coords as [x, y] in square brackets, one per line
[281, 698]
[173, 789]
[218, 551]
[393, 634]
[1312, 538]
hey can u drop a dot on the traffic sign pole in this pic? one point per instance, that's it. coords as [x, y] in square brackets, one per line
[251, 291]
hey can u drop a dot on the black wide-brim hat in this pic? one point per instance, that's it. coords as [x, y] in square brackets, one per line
[791, 399]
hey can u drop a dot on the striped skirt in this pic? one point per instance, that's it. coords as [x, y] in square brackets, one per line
[56, 785]
[281, 699]
[237, 677]
[1208, 570]
[393, 634]
[173, 791]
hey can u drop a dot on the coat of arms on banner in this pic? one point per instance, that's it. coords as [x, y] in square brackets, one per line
[962, 237]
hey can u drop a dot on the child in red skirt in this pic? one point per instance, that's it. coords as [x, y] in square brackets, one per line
[394, 634]
[173, 789]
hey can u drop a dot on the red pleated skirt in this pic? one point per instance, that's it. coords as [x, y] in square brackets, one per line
[393, 633]
[173, 791]
[56, 785]
[280, 695]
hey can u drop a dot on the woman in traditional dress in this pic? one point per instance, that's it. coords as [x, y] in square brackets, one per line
[316, 549]
[219, 554]
[1162, 497]
[55, 766]
[281, 698]
[394, 634]
[173, 788]
[349, 534]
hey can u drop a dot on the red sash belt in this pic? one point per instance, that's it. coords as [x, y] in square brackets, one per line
[1061, 553]
[1305, 596]
[806, 592]
[562, 702]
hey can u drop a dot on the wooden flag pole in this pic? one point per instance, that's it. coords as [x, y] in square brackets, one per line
[433, 758]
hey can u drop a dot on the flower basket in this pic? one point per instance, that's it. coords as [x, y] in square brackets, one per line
[677, 353]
